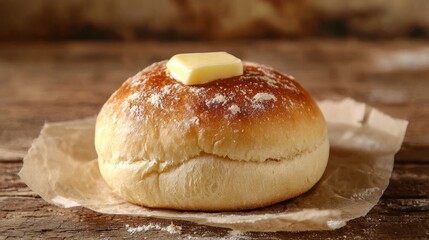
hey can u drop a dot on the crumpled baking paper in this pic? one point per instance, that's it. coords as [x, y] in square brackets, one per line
[61, 166]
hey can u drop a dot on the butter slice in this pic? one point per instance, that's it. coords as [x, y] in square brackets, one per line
[200, 68]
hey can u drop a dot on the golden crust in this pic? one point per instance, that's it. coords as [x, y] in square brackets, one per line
[154, 127]
[260, 115]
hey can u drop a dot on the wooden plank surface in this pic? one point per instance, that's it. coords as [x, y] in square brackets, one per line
[51, 82]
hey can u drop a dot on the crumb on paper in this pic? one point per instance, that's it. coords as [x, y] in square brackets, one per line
[365, 193]
[172, 229]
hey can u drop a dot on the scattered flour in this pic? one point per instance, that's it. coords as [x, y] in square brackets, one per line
[135, 80]
[270, 81]
[142, 228]
[125, 106]
[365, 194]
[261, 80]
[172, 229]
[134, 96]
[155, 99]
[218, 99]
[196, 90]
[259, 97]
[234, 109]
[137, 111]
[166, 89]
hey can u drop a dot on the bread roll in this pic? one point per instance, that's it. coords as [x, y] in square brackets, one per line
[238, 143]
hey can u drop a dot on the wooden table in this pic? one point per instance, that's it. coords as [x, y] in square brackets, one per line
[52, 82]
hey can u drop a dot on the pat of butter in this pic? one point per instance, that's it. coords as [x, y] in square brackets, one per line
[200, 68]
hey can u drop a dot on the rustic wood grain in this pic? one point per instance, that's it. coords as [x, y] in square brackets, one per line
[402, 210]
[63, 81]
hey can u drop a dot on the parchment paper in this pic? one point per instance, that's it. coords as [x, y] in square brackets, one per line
[61, 166]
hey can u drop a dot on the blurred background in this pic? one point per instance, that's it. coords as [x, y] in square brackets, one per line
[62, 59]
[29, 20]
